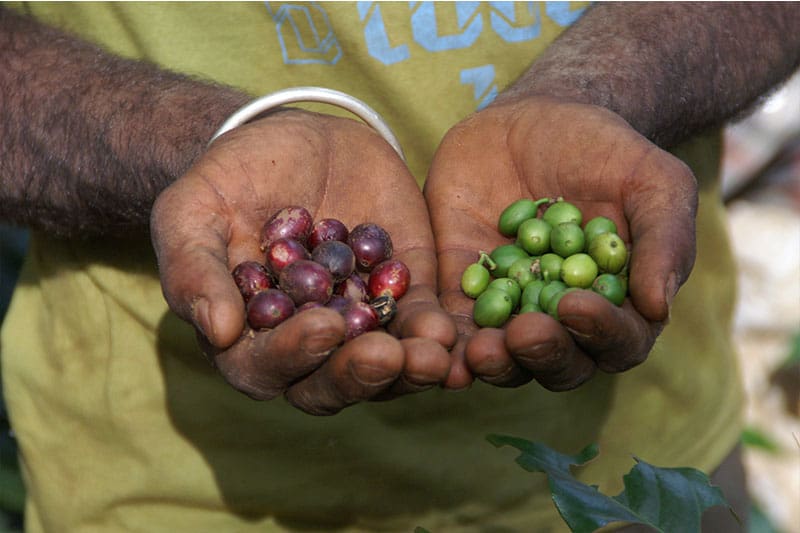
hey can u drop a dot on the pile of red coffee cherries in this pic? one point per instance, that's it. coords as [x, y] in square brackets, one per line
[311, 264]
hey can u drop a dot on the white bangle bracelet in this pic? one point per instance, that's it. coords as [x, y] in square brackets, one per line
[312, 94]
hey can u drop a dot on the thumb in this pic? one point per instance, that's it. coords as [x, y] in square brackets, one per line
[662, 222]
[193, 266]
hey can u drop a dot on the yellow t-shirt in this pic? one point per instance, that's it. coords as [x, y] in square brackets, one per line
[123, 426]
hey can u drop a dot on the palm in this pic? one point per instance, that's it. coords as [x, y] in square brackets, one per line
[592, 158]
[210, 220]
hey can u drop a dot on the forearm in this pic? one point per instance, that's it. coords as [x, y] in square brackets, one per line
[669, 68]
[89, 139]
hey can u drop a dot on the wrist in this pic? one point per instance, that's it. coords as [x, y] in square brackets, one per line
[669, 69]
[271, 102]
[185, 117]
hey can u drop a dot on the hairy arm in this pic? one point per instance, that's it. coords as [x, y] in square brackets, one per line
[669, 68]
[92, 143]
[90, 139]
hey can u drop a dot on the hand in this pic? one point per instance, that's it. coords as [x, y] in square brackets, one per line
[209, 220]
[542, 147]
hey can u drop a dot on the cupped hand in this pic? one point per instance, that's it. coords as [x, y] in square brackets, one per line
[209, 220]
[541, 147]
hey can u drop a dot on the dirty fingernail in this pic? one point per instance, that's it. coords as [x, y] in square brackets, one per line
[201, 317]
[671, 289]
[672, 286]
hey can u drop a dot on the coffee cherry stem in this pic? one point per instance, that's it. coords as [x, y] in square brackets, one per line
[485, 261]
[543, 200]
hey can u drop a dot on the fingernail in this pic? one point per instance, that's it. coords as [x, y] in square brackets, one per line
[372, 375]
[536, 352]
[320, 344]
[545, 357]
[201, 316]
[580, 326]
[671, 289]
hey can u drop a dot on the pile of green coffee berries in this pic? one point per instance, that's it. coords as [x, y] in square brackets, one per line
[551, 255]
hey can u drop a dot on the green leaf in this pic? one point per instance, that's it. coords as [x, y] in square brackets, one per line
[538, 457]
[755, 438]
[667, 499]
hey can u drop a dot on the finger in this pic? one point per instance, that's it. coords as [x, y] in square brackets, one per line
[489, 359]
[419, 314]
[427, 363]
[460, 376]
[360, 370]
[617, 338]
[455, 302]
[661, 210]
[264, 364]
[541, 345]
[193, 266]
